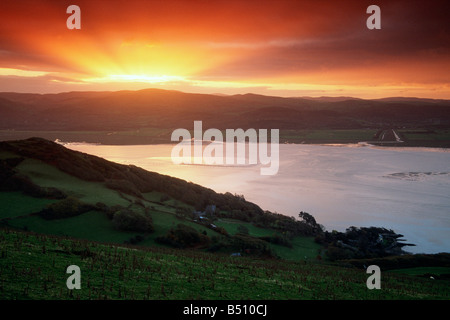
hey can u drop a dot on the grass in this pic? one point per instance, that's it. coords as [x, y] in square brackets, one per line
[422, 134]
[7, 155]
[34, 267]
[46, 175]
[163, 222]
[231, 226]
[92, 225]
[419, 137]
[15, 204]
[303, 248]
[95, 226]
[422, 271]
[327, 135]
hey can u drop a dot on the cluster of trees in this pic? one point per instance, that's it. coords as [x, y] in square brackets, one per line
[127, 219]
[66, 208]
[358, 243]
[184, 236]
[244, 244]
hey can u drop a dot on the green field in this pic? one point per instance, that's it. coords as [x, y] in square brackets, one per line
[17, 210]
[10, 207]
[34, 267]
[327, 136]
[45, 175]
[92, 225]
[232, 227]
[423, 271]
[414, 137]
[303, 248]
[426, 135]
[88, 224]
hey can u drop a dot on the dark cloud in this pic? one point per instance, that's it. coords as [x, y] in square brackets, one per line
[261, 39]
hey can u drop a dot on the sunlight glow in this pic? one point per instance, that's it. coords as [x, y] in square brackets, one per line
[21, 73]
[137, 78]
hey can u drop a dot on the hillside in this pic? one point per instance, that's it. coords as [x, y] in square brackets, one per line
[155, 108]
[47, 188]
[141, 235]
[34, 267]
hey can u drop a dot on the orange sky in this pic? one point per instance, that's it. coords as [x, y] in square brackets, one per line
[287, 48]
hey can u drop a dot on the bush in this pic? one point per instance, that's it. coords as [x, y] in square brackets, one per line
[66, 208]
[183, 237]
[336, 253]
[128, 220]
[250, 245]
[245, 244]
[277, 239]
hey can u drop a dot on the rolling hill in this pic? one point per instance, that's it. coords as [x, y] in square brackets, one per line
[141, 235]
[125, 110]
[47, 188]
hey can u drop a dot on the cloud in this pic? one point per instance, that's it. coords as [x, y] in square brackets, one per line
[258, 42]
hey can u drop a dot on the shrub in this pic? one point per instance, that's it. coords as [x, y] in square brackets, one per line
[183, 237]
[277, 239]
[337, 253]
[66, 208]
[250, 245]
[128, 220]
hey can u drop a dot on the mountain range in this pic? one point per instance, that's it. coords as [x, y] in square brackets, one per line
[157, 108]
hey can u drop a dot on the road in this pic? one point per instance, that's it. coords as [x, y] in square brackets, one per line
[387, 136]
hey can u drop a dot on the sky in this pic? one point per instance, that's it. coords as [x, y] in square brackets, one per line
[283, 48]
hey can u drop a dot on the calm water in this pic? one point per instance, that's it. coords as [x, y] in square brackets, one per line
[407, 190]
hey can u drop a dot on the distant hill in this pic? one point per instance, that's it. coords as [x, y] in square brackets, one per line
[155, 108]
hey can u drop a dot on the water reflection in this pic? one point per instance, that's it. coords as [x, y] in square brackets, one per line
[340, 186]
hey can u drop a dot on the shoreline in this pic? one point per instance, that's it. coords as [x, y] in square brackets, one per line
[126, 138]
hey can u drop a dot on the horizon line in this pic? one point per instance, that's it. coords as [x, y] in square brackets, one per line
[308, 97]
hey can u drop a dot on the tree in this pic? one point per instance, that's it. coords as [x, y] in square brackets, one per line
[308, 219]
[128, 220]
[66, 208]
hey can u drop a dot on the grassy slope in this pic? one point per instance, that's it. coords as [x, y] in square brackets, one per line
[16, 204]
[91, 225]
[34, 267]
[302, 247]
[45, 175]
[422, 271]
[95, 226]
